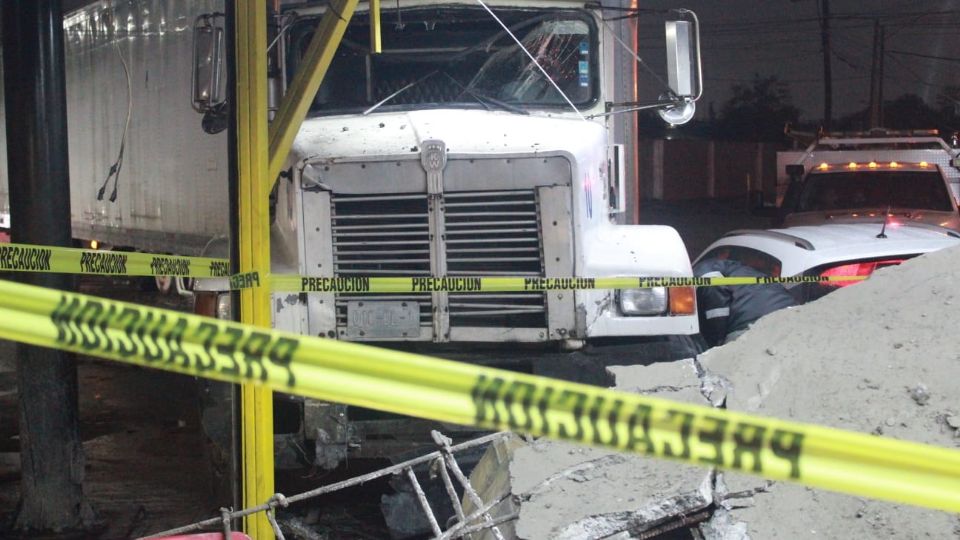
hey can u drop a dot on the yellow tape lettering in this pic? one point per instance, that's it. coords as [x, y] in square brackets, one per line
[227, 346]
[525, 391]
[175, 342]
[335, 284]
[245, 281]
[610, 422]
[749, 440]
[170, 266]
[103, 263]
[686, 427]
[446, 284]
[543, 402]
[579, 401]
[253, 351]
[640, 418]
[145, 331]
[62, 316]
[281, 354]
[713, 438]
[25, 258]
[550, 284]
[485, 395]
[219, 268]
[788, 445]
[205, 360]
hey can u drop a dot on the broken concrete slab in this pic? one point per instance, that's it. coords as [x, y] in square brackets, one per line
[571, 491]
[876, 358]
[568, 491]
[794, 511]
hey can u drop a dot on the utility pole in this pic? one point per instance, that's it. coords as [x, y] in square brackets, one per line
[827, 73]
[881, 55]
[51, 455]
[876, 77]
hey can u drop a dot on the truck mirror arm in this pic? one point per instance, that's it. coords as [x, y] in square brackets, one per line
[638, 106]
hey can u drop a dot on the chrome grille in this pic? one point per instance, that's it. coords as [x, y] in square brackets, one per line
[494, 233]
[381, 236]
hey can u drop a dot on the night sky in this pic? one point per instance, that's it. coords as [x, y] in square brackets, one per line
[741, 38]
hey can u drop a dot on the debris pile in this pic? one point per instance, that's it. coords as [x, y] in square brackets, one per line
[879, 357]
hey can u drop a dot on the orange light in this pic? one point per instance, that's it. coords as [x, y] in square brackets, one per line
[682, 300]
[894, 164]
[923, 164]
[824, 166]
[94, 244]
[852, 165]
[872, 164]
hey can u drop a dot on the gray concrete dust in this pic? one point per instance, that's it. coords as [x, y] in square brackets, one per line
[878, 358]
[568, 491]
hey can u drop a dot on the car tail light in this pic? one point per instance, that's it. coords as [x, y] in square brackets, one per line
[855, 269]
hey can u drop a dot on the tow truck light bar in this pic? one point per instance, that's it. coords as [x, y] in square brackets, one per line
[872, 165]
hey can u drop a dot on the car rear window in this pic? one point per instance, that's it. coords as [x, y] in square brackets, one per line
[874, 189]
[758, 260]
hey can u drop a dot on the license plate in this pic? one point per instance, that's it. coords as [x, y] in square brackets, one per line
[372, 320]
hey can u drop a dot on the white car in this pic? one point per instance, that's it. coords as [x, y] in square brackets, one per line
[831, 249]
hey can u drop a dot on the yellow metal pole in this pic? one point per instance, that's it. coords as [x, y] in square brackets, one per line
[303, 88]
[375, 43]
[254, 240]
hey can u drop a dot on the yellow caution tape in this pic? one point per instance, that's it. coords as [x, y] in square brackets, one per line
[293, 283]
[28, 258]
[404, 383]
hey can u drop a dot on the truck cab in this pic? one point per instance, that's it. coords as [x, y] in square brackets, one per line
[455, 152]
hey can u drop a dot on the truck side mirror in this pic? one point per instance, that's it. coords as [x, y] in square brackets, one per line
[684, 70]
[207, 76]
[680, 63]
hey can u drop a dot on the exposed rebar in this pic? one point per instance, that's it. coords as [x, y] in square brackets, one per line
[356, 481]
[424, 503]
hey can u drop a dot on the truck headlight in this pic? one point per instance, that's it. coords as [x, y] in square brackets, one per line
[652, 301]
[224, 311]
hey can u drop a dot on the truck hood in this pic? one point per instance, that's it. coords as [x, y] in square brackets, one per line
[463, 131]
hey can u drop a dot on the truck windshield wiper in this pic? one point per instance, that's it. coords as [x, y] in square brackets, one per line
[484, 99]
[377, 105]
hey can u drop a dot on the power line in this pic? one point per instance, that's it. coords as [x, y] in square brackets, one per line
[787, 81]
[930, 56]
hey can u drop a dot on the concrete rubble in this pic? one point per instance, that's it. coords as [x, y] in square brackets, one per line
[880, 358]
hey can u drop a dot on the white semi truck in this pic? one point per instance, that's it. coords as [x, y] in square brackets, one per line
[448, 154]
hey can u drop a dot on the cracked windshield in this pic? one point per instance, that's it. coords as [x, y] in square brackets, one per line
[459, 57]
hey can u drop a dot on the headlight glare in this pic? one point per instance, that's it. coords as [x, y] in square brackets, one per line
[223, 307]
